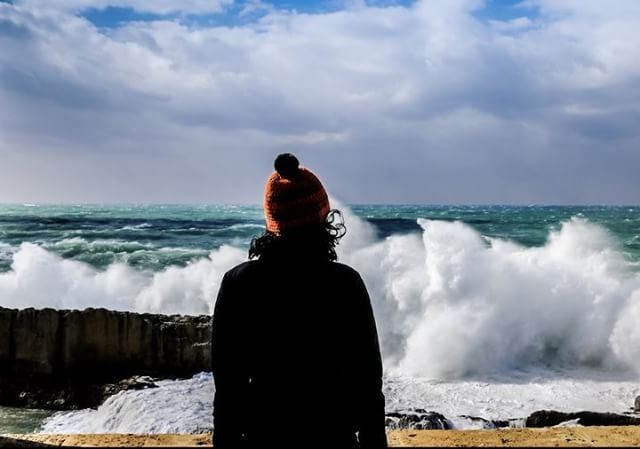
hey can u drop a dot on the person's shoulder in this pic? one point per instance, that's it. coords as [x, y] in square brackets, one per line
[344, 270]
[242, 270]
[352, 283]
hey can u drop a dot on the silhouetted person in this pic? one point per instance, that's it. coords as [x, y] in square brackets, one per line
[296, 359]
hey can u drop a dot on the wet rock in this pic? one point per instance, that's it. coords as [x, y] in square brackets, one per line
[66, 359]
[132, 383]
[500, 423]
[137, 383]
[34, 340]
[488, 423]
[417, 419]
[102, 342]
[548, 418]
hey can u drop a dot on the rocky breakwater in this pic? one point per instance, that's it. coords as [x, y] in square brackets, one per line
[63, 359]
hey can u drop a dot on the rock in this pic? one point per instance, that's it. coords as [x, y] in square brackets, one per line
[6, 332]
[35, 340]
[488, 423]
[65, 359]
[137, 383]
[63, 343]
[132, 383]
[636, 405]
[511, 423]
[549, 418]
[417, 419]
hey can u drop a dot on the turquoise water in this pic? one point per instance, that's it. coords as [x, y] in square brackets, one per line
[153, 237]
[503, 290]
[17, 420]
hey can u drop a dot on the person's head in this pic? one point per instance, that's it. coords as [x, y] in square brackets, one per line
[297, 213]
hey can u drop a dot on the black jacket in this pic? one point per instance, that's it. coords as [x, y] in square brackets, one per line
[296, 359]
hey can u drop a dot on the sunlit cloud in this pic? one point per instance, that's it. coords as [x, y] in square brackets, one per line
[423, 102]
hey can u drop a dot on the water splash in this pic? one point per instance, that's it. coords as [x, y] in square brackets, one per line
[449, 302]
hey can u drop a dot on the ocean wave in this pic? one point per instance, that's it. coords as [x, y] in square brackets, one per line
[156, 410]
[247, 226]
[138, 227]
[40, 278]
[449, 303]
[7, 251]
[99, 244]
[183, 406]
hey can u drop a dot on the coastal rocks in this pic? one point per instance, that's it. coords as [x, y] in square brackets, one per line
[35, 339]
[49, 395]
[64, 359]
[59, 395]
[132, 383]
[102, 342]
[549, 418]
[491, 423]
[417, 419]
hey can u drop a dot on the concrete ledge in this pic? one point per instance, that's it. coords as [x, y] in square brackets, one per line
[545, 437]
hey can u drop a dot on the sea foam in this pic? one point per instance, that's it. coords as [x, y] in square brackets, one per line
[449, 302]
[452, 303]
[183, 406]
[186, 406]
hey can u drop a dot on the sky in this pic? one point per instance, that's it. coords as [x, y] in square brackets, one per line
[428, 101]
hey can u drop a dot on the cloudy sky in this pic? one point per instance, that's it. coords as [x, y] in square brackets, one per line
[431, 101]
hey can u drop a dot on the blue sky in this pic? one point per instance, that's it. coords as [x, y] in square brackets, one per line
[114, 16]
[431, 101]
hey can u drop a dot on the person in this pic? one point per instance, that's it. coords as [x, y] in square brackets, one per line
[295, 353]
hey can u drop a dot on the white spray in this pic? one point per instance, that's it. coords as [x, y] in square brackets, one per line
[449, 303]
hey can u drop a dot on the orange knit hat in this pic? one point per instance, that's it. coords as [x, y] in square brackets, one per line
[293, 197]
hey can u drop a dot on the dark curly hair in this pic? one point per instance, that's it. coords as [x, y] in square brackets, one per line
[319, 240]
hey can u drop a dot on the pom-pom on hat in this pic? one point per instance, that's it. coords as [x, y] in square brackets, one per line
[293, 197]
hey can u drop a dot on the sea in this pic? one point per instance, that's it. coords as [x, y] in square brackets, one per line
[483, 311]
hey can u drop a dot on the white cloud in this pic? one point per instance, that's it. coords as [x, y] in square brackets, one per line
[424, 103]
[517, 24]
[256, 6]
